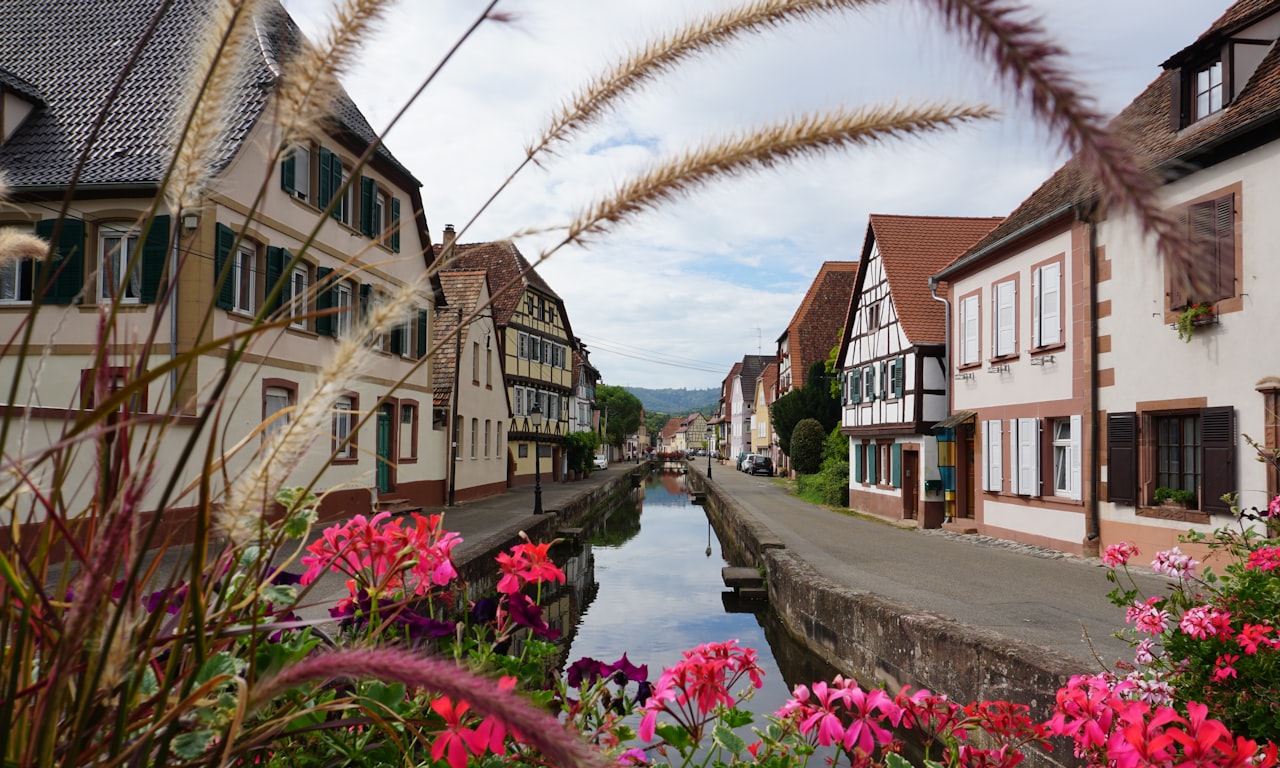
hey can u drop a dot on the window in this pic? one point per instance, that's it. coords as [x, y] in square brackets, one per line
[869, 382]
[408, 433]
[16, 279]
[475, 429]
[969, 330]
[873, 316]
[475, 362]
[1178, 452]
[117, 278]
[242, 279]
[1046, 305]
[342, 303]
[487, 426]
[895, 377]
[522, 450]
[380, 212]
[1066, 457]
[407, 414]
[497, 440]
[1004, 319]
[343, 428]
[522, 345]
[488, 367]
[113, 379]
[1211, 228]
[295, 172]
[276, 401]
[342, 212]
[1207, 90]
[298, 296]
[855, 385]
[517, 401]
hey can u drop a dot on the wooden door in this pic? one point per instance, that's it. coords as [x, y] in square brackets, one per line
[910, 484]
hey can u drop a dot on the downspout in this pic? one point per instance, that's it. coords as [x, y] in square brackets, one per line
[1092, 522]
[948, 494]
[173, 309]
[946, 325]
[451, 469]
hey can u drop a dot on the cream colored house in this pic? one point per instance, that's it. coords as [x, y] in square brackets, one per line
[179, 279]
[763, 441]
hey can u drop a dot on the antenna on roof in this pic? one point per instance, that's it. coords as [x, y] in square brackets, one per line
[759, 341]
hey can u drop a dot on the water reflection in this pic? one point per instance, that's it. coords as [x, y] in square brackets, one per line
[657, 592]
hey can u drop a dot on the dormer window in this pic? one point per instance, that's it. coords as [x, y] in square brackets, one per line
[1208, 90]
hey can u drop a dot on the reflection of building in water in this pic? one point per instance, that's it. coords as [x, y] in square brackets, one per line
[674, 483]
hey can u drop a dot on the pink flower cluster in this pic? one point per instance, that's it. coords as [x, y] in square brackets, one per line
[1147, 616]
[462, 736]
[692, 689]
[1109, 728]
[1171, 562]
[383, 557]
[528, 563]
[1205, 621]
[843, 713]
[1119, 554]
[1264, 558]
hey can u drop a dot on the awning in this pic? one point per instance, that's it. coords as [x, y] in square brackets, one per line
[955, 419]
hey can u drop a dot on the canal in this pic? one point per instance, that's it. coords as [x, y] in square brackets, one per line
[650, 586]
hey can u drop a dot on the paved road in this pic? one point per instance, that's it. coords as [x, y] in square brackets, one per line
[1053, 601]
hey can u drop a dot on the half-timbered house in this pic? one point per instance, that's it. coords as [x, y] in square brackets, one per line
[893, 363]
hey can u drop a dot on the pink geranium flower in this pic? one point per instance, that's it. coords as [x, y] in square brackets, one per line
[1171, 562]
[1205, 621]
[1119, 554]
[1264, 558]
[1148, 617]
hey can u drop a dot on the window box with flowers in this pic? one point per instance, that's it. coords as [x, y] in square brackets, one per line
[1193, 316]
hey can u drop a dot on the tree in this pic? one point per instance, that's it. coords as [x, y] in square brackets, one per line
[623, 410]
[812, 401]
[785, 413]
[807, 443]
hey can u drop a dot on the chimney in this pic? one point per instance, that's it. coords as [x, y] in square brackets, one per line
[446, 249]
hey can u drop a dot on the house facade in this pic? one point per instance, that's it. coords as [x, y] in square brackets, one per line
[893, 365]
[742, 401]
[536, 342]
[178, 279]
[468, 373]
[763, 441]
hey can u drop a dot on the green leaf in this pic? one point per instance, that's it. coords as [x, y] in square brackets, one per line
[281, 594]
[933, 764]
[189, 746]
[895, 760]
[219, 664]
[726, 738]
[737, 718]
[675, 736]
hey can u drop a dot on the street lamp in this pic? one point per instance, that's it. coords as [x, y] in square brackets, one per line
[710, 432]
[535, 415]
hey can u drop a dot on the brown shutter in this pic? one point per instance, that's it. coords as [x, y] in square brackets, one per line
[1122, 458]
[1217, 458]
[1225, 269]
[1177, 120]
[1175, 277]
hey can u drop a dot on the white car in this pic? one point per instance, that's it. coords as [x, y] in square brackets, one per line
[601, 461]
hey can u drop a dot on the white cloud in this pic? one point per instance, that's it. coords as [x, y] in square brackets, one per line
[694, 281]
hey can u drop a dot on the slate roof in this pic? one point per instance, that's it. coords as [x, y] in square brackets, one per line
[912, 248]
[815, 327]
[12, 82]
[70, 53]
[462, 291]
[504, 263]
[1146, 121]
[752, 365]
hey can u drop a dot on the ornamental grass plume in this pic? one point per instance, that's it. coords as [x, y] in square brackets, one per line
[16, 245]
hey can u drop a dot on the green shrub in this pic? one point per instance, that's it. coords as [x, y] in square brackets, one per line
[807, 444]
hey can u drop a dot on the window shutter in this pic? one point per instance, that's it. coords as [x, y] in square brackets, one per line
[1217, 458]
[872, 477]
[155, 254]
[325, 289]
[855, 386]
[1174, 279]
[1029, 457]
[276, 260]
[366, 300]
[395, 224]
[422, 333]
[1225, 272]
[326, 190]
[895, 465]
[335, 184]
[1122, 458]
[398, 346]
[1004, 330]
[969, 324]
[1077, 440]
[899, 376]
[288, 170]
[62, 277]
[368, 192]
[857, 462]
[1050, 312]
[870, 383]
[994, 456]
[1177, 112]
[226, 238]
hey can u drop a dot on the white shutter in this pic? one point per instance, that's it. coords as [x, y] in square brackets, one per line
[1036, 284]
[969, 329]
[1015, 457]
[1077, 423]
[1004, 324]
[1028, 457]
[994, 475]
[1050, 304]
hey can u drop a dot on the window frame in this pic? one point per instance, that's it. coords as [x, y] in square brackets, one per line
[131, 236]
[969, 311]
[1039, 339]
[342, 317]
[413, 411]
[1228, 253]
[118, 377]
[350, 453]
[1004, 318]
[244, 297]
[21, 282]
[1204, 86]
[299, 300]
[290, 391]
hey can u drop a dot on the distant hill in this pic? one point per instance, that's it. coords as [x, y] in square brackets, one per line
[677, 402]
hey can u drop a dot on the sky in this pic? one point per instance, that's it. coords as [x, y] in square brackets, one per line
[674, 297]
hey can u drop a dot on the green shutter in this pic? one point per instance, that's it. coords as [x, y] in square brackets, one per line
[155, 254]
[366, 300]
[326, 178]
[857, 462]
[872, 477]
[226, 238]
[895, 465]
[422, 333]
[368, 196]
[899, 376]
[62, 277]
[288, 170]
[335, 183]
[395, 224]
[277, 258]
[855, 386]
[324, 301]
[397, 340]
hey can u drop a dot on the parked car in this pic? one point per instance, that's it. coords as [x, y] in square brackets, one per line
[744, 460]
[761, 465]
[601, 461]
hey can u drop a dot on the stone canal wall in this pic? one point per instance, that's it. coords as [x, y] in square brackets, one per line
[874, 639]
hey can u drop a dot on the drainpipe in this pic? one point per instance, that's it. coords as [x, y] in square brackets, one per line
[178, 227]
[1093, 528]
[948, 504]
[452, 468]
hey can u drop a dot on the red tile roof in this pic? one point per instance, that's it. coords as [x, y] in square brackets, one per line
[1148, 125]
[912, 248]
[504, 263]
[815, 327]
[462, 290]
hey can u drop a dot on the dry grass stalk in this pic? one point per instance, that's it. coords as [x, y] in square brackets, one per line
[16, 244]
[309, 83]
[1039, 71]
[660, 56]
[797, 137]
[215, 65]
